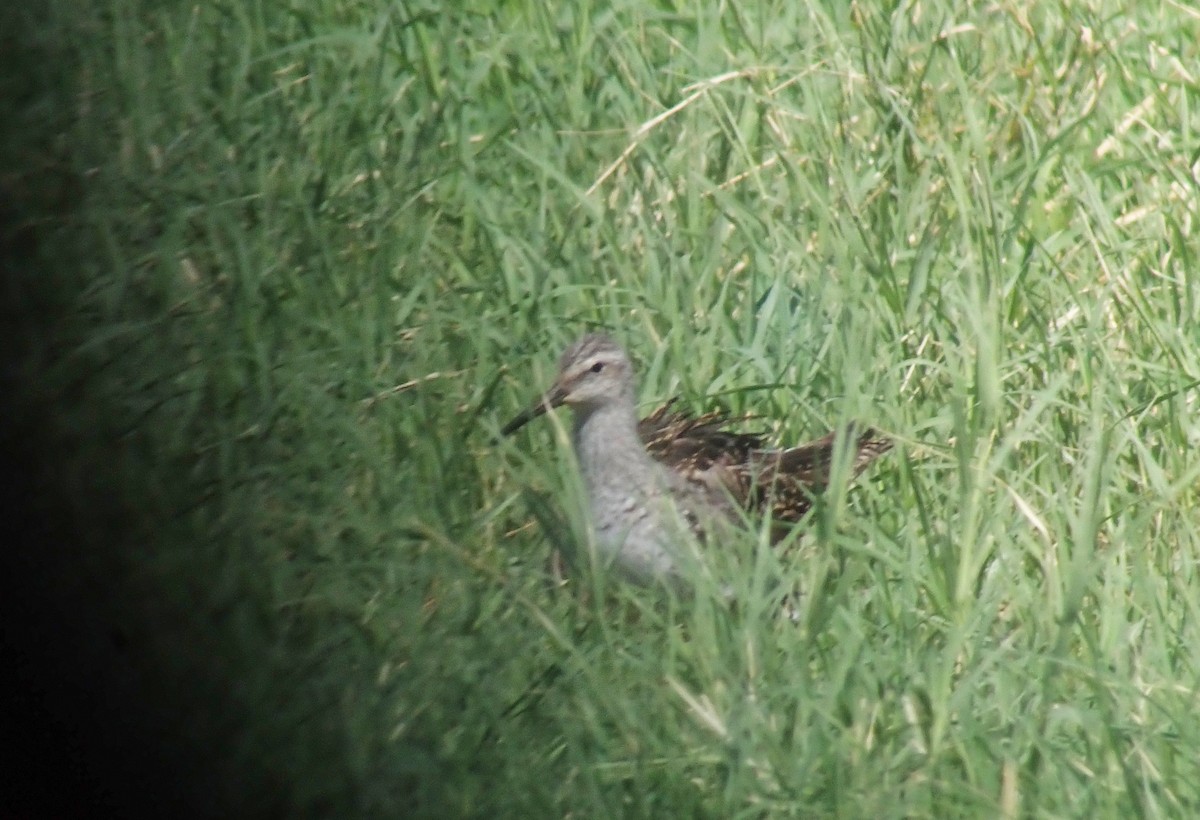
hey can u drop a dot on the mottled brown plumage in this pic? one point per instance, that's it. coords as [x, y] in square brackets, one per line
[759, 479]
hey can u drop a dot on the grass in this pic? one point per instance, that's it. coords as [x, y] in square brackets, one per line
[279, 271]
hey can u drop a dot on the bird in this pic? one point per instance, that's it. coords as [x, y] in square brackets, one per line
[651, 483]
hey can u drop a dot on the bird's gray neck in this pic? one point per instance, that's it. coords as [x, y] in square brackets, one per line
[609, 448]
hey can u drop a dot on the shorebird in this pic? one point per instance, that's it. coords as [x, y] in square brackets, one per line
[649, 482]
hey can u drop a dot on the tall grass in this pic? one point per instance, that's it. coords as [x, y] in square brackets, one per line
[284, 268]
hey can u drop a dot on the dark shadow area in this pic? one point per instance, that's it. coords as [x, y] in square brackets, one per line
[88, 727]
[93, 726]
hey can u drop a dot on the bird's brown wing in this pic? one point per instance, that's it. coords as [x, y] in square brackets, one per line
[719, 462]
[688, 443]
[787, 479]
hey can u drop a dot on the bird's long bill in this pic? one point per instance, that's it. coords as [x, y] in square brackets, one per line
[554, 397]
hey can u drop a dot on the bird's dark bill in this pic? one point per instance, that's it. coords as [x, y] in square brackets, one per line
[553, 398]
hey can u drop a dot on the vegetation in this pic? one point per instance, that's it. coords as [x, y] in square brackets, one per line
[279, 271]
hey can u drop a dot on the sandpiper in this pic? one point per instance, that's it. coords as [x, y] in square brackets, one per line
[648, 481]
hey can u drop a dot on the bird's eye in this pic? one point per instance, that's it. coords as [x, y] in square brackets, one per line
[597, 367]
